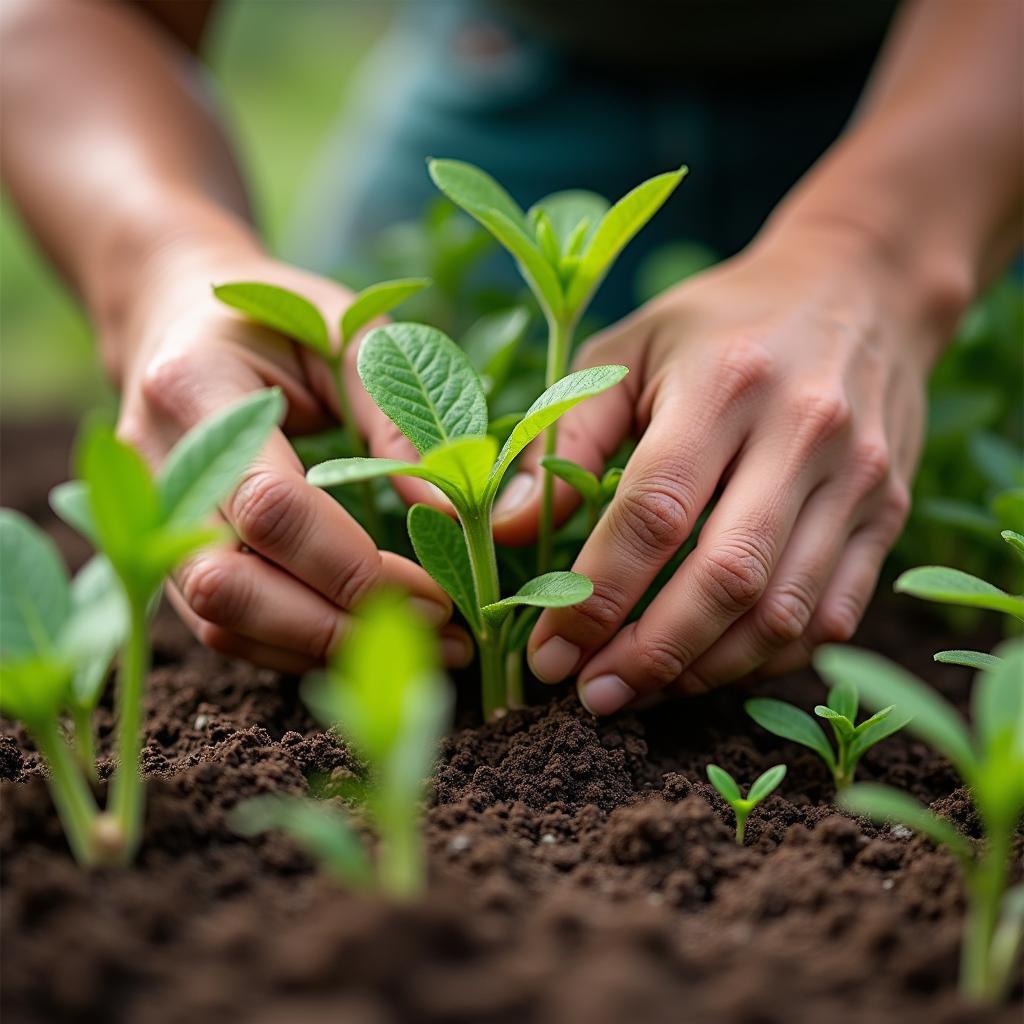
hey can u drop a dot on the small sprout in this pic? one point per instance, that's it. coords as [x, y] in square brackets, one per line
[288, 312]
[763, 786]
[990, 760]
[840, 711]
[596, 493]
[59, 636]
[428, 388]
[386, 694]
[564, 247]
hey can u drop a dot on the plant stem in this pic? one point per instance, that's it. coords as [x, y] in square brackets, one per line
[85, 746]
[126, 789]
[356, 446]
[484, 563]
[71, 796]
[560, 333]
[741, 826]
[399, 856]
[984, 885]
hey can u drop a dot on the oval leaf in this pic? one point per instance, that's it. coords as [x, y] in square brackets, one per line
[70, 500]
[969, 659]
[336, 472]
[552, 590]
[464, 464]
[574, 475]
[377, 300]
[280, 309]
[424, 383]
[790, 723]
[951, 586]
[724, 783]
[997, 702]
[843, 700]
[441, 549]
[766, 783]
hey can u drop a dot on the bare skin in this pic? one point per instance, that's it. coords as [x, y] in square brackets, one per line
[789, 379]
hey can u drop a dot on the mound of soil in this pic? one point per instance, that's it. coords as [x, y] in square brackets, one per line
[580, 870]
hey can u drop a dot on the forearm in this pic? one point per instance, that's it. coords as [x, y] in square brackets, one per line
[110, 151]
[929, 170]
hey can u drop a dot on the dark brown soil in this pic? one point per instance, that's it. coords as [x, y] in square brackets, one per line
[579, 870]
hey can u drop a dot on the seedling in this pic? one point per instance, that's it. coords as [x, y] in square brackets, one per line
[763, 786]
[288, 312]
[385, 689]
[990, 760]
[423, 381]
[840, 711]
[564, 247]
[595, 491]
[58, 637]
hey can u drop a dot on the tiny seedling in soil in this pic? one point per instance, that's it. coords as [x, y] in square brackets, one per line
[59, 637]
[288, 312]
[840, 711]
[426, 385]
[564, 247]
[990, 760]
[729, 791]
[385, 692]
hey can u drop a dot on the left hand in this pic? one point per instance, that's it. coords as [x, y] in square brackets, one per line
[788, 381]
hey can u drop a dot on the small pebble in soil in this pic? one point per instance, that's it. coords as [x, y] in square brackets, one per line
[548, 838]
[887, 883]
[201, 722]
[900, 832]
[458, 844]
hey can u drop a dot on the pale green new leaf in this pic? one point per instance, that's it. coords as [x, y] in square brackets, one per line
[890, 806]
[34, 591]
[969, 659]
[790, 723]
[574, 475]
[842, 725]
[280, 309]
[336, 472]
[610, 482]
[424, 383]
[878, 727]
[618, 226]
[377, 300]
[552, 590]
[34, 690]
[881, 683]
[70, 500]
[204, 466]
[546, 238]
[574, 216]
[1015, 540]
[843, 700]
[724, 783]
[553, 403]
[464, 464]
[997, 701]
[951, 586]
[441, 549]
[766, 783]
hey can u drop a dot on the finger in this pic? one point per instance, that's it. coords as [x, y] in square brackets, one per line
[663, 490]
[456, 647]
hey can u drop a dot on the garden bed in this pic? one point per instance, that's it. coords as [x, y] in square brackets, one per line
[580, 870]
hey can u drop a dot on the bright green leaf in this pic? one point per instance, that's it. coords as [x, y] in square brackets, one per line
[336, 472]
[969, 659]
[790, 723]
[951, 586]
[280, 309]
[34, 690]
[997, 701]
[465, 464]
[1015, 540]
[724, 783]
[843, 700]
[574, 216]
[878, 727]
[842, 725]
[377, 300]
[546, 238]
[70, 500]
[766, 783]
[552, 590]
[610, 482]
[574, 475]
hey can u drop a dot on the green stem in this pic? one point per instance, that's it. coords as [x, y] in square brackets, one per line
[741, 826]
[400, 858]
[357, 446]
[985, 886]
[126, 789]
[560, 332]
[593, 515]
[513, 670]
[71, 796]
[85, 745]
[484, 563]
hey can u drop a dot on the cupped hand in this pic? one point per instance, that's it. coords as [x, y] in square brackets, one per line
[786, 387]
[279, 596]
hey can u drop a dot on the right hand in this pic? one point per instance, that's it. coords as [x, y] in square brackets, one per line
[279, 596]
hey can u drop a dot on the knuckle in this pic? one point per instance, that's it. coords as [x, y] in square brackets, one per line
[785, 612]
[821, 415]
[744, 367]
[735, 575]
[353, 581]
[167, 386]
[655, 513]
[601, 613]
[897, 504]
[659, 658]
[838, 622]
[872, 463]
[212, 591]
[266, 511]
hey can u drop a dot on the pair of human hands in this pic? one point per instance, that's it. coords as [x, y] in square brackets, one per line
[786, 385]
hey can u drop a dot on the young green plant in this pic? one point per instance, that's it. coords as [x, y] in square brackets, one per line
[729, 791]
[426, 385]
[295, 316]
[385, 692]
[840, 711]
[990, 760]
[595, 491]
[59, 638]
[564, 247]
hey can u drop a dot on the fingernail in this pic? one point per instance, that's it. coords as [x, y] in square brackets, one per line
[457, 651]
[604, 695]
[554, 660]
[516, 494]
[433, 614]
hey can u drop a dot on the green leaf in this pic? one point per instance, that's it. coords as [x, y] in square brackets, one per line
[34, 591]
[881, 683]
[618, 226]
[889, 806]
[997, 701]
[336, 472]
[492, 341]
[574, 216]
[574, 475]
[878, 727]
[546, 238]
[487, 202]
[377, 300]
[969, 659]
[766, 783]
[724, 783]
[999, 459]
[424, 383]
[322, 830]
[553, 403]
[552, 590]
[842, 725]
[70, 500]
[610, 482]
[790, 723]
[843, 700]
[206, 464]
[166, 548]
[522, 627]
[1015, 540]
[501, 426]
[34, 690]
[464, 464]
[280, 309]
[441, 549]
[951, 586]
